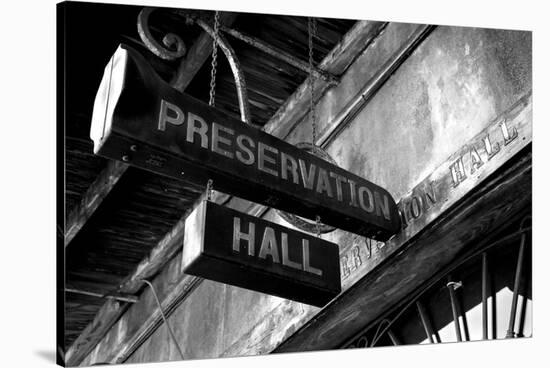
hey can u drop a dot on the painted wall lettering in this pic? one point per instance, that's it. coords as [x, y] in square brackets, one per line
[481, 151]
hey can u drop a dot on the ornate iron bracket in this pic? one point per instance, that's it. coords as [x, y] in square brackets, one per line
[171, 39]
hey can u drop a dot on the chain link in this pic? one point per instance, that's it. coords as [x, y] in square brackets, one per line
[209, 189]
[311, 30]
[210, 183]
[214, 60]
[318, 225]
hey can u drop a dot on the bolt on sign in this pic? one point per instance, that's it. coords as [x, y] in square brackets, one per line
[140, 119]
[228, 246]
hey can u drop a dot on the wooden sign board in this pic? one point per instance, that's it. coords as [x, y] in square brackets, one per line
[140, 119]
[228, 246]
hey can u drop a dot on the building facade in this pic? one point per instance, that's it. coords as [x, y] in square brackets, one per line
[439, 116]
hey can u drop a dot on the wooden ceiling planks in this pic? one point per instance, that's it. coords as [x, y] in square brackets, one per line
[81, 165]
[131, 221]
[143, 207]
[269, 81]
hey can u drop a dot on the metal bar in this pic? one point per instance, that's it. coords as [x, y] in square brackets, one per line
[454, 305]
[460, 310]
[484, 296]
[120, 297]
[448, 269]
[464, 321]
[149, 324]
[376, 335]
[235, 65]
[280, 54]
[395, 341]
[494, 324]
[523, 315]
[425, 321]
[519, 269]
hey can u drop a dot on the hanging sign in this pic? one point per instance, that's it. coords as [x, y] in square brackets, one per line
[228, 246]
[140, 119]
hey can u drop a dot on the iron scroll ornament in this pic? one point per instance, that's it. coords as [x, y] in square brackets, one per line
[300, 222]
[169, 40]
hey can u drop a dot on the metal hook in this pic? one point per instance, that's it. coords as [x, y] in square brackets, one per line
[455, 285]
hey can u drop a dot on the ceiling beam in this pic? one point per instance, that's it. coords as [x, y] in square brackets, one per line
[197, 55]
[116, 296]
[94, 196]
[296, 107]
[281, 55]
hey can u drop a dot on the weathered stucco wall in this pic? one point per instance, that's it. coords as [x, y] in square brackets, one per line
[445, 93]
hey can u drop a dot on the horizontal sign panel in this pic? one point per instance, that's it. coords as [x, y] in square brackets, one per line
[228, 246]
[140, 119]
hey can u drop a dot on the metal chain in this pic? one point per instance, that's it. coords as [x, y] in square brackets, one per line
[214, 60]
[311, 30]
[318, 225]
[209, 189]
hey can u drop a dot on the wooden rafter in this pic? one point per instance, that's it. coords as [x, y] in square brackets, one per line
[197, 55]
[116, 296]
[96, 193]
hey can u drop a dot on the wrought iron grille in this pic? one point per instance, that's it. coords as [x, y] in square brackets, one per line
[482, 295]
